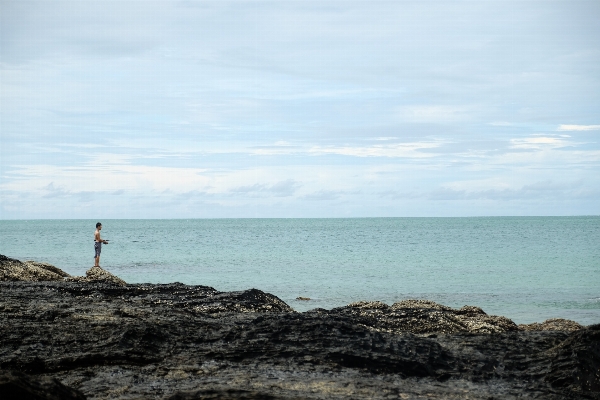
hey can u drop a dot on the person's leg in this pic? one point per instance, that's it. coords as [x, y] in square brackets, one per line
[97, 249]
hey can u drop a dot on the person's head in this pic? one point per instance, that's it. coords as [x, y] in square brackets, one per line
[98, 225]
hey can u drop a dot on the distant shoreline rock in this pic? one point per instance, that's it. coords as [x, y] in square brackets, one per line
[33, 271]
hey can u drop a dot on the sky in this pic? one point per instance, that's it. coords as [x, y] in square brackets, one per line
[226, 109]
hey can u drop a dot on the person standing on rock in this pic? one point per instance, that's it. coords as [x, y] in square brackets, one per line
[98, 244]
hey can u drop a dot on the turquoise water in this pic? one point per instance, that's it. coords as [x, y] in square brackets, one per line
[526, 268]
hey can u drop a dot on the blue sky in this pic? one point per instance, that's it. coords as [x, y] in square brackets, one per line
[201, 109]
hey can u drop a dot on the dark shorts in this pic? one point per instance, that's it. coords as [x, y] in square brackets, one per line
[97, 248]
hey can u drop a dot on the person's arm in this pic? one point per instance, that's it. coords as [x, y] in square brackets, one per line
[97, 238]
[102, 240]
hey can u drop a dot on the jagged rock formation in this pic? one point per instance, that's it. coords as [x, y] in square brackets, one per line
[15, 270]
[423, 316]
[576, 363]
[96, 336]
[553, 324]
[32, 271]
[19, 386]
[189, 342]
[97, 274]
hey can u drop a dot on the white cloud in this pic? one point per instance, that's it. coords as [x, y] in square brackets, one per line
[391, 150]
[56, 180]
[398, 150]
[537, 142]
[510, 192]
[435, 113]
[579, 128]
[323, 195]
[284, 188]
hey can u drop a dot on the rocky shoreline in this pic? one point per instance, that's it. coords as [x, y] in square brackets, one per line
[97, 337]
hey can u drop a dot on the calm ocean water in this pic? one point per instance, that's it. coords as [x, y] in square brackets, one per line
[526, 268]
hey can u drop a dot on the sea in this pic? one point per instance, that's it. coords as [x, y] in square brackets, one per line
[528, 269]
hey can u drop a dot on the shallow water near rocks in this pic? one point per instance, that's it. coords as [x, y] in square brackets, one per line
[525, 268]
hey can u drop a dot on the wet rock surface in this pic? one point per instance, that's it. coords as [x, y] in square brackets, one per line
[175, 341]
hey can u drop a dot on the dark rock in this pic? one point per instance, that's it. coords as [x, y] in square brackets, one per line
[19, 386]
[4, 260]
[423, 317]
[194, 342]
[15, 270]
[33, 271]
[553, 324]
[97, 274]
[222, 394]
[576, 362]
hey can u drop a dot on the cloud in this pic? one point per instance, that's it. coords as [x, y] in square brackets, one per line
[398, 195]
[273, 150]
[54, 191]
[284, 188]
[323, 195]
[538, 142]
[433, 113]
[386, 149]
[248, 189]
[103, 176]
[397, 150]
[84, 196]
[537, 190]
[549, 185]
[579, 128]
